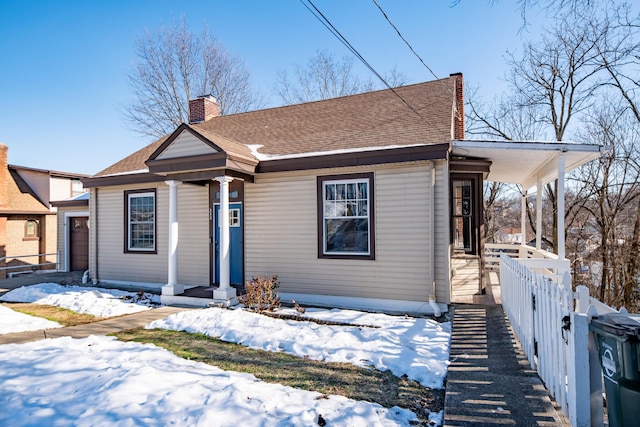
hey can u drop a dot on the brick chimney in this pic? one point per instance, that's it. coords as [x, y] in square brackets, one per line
[203, 108]
[458, 121]
[4, 175]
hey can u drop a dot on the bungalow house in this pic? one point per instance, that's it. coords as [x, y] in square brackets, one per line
[28, 227]
[360, 201]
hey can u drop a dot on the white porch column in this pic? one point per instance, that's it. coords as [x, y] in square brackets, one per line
[225, 291]
[560, 196]
[172, 287]
[523, 218]
[539, 215]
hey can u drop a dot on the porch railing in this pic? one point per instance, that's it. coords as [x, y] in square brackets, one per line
[541, 261]
[552, 324]
[41, 262]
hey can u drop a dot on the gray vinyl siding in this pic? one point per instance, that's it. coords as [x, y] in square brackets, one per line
[281, 235]
[193, 246]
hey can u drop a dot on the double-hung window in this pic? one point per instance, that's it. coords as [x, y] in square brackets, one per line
[140, 221]
[345, 210]
[31, 231]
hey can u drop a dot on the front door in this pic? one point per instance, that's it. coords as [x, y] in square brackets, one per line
[236, 250]
[78, 243]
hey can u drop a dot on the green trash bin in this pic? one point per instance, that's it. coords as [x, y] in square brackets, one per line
[618, 341]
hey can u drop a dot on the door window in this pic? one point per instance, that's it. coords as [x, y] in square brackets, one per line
[463, 215]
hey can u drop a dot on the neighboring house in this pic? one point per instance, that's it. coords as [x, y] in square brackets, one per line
[508, 235]
[359, 201]
[73, 232]
[28, 228]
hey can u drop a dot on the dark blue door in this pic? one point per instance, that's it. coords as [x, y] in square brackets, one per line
[235, 244]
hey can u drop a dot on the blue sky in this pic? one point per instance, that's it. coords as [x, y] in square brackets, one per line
[64, 64]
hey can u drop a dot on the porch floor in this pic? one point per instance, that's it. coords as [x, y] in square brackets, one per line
[465, 283]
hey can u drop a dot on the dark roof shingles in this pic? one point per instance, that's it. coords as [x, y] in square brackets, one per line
[373, 119]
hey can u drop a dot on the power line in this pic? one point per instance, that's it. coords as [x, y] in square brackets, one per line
[412, 49]
[333, 30]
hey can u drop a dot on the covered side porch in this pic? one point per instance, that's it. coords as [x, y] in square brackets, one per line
[531, 165]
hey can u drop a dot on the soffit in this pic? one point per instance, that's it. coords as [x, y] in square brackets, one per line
[526, 162]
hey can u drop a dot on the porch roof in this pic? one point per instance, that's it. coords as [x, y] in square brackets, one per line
[526, 162]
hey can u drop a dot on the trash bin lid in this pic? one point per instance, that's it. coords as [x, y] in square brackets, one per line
[618, 324]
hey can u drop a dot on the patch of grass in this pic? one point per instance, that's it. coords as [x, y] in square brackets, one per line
[327, 378]
[56, 314]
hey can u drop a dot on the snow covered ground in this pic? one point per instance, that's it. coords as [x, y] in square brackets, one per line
[416, 347]
[99, 381]
[96, 301]
[102, 381]
[12, 321]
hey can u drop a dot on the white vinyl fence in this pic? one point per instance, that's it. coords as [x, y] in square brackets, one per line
[539, 303]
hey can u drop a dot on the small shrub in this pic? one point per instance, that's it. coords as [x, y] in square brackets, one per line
[262, 294]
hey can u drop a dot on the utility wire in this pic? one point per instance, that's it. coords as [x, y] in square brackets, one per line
[412, 49]
[333, 30]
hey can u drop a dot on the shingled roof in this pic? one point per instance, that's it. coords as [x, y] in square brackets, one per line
[21, 199]
[372, 120]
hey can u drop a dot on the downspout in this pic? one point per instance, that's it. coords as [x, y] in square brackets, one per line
[523, 218]
[93, 224]
[432, 243]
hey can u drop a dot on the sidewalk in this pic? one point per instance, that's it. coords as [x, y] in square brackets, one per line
[111, 325]
[489, 381]
[114, 324]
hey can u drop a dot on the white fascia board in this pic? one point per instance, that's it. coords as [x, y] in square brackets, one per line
[528, 145]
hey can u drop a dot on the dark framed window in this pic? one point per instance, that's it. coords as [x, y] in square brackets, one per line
[31, 229]
[346, 216]
[140, 221]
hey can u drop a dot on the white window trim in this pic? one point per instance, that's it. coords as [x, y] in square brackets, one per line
[68, 216]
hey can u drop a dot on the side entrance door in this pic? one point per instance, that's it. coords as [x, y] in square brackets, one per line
[464, 233]
[78, 243]
[236, 248]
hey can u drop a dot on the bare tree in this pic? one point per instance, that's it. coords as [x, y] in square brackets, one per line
[558, 75]
[506, 118]
[175, 65]
[326, 77]
[614, 183]
[619, 55]
[503, 119]
[588, 67]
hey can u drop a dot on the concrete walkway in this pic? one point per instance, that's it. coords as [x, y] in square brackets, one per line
[104, 327]
[489, 381]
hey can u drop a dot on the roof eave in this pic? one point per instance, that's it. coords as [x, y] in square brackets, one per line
[527, 162]
[357, 158]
